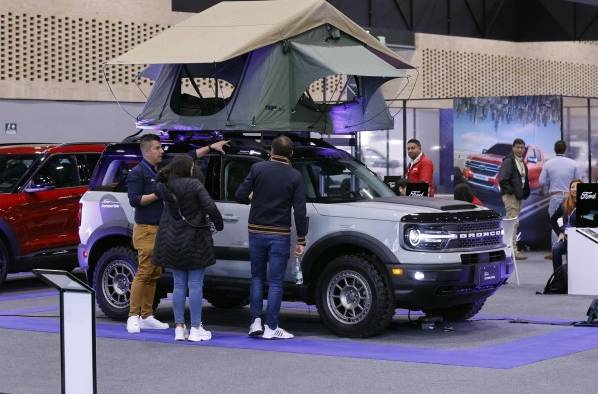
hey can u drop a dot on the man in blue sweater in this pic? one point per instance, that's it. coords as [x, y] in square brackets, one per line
[273, 188]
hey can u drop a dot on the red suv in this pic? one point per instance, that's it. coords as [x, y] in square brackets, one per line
[40, 188]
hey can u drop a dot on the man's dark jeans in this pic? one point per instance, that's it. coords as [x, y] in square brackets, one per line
[273, 250]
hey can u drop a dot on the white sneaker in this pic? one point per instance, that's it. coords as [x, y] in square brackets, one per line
[181, 333]
[256, 328]
[151, 323]
[279, 333]
[133, 325]
[198, 334]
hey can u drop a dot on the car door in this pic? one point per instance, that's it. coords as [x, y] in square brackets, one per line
[232, 243]
[49, 206]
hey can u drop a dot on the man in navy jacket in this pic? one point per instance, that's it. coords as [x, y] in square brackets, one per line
[273, 188]
[141, 186]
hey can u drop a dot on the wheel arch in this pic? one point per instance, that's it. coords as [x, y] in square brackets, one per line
[8, 237]
[103, 240]
[344, 242]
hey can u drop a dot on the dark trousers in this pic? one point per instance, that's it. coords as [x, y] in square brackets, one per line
[273, 252]
[559, 248]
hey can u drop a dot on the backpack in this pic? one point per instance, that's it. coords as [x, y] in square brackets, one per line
[557, 283]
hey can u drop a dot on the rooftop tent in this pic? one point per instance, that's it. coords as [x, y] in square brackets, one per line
[259, 59]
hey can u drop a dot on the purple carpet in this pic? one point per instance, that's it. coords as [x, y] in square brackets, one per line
[29, 294]
[501, 356]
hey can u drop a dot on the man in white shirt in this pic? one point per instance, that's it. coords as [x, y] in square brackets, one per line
[556, 175]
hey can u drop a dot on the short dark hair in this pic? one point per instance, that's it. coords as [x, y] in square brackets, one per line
[518, 141]
[282, 146]
[178, 167]
[415, 141]
[560, 147]
[146, 139]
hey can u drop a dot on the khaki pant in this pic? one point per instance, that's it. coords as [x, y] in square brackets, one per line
[143, 288]
[512, 208]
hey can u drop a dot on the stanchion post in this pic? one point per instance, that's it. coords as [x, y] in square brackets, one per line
[77, 331]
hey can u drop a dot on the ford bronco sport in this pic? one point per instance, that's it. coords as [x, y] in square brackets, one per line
[40, 188]
[368, 251]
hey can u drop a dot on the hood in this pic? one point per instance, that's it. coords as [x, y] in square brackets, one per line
[392, 208]
[487, 158]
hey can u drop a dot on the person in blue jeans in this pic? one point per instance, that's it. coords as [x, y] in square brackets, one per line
[565, 210]
[184, 241]
[274, 188]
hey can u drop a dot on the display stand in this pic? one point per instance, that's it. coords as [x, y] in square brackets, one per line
[77, 331]
[582, 265]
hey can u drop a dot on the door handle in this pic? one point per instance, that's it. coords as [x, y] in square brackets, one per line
[228, 217]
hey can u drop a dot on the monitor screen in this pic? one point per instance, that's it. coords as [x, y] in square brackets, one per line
[587, 205]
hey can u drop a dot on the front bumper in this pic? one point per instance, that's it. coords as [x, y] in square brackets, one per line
[431, 286]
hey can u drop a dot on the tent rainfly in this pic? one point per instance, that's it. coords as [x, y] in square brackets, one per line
[260, 58]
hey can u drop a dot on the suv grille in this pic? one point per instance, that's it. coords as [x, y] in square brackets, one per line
[483, 168]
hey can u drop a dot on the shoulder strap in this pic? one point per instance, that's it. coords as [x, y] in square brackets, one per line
[183, 218]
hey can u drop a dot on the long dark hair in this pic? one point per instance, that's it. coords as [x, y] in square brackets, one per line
[570, 202]
[179, 167]
[462, 192]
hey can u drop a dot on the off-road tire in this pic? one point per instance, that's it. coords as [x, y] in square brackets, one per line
[349, 276]
[227, 302]
[458, 312]
[4, 260]
[115, 302]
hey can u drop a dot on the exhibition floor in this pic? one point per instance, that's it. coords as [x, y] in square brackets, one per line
[489, 353]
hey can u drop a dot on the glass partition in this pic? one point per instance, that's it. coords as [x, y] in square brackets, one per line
[575, 132]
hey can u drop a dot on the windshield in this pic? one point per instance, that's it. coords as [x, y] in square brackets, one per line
[500, 149]
[12, 169]
[333, 180]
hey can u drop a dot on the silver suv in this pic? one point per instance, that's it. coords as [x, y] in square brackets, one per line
[368, 251]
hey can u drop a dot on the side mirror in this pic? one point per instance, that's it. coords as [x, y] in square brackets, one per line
[484, 151]
[39, 186]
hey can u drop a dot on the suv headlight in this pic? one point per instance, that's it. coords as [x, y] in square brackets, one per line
[421, 238]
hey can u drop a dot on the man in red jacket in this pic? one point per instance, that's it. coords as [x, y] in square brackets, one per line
[421, 168]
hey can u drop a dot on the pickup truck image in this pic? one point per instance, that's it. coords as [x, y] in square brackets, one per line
[482, 169]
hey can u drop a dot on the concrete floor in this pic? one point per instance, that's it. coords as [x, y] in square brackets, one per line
[30, 361]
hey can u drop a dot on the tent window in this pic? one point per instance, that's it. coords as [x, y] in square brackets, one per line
[333, 89]
[201, 96]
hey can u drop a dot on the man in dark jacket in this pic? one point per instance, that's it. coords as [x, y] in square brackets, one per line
[273, 188]
[514, 186]
[141, 186]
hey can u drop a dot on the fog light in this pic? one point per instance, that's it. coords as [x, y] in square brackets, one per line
[418, 275]
[85, 253]
[398, 271]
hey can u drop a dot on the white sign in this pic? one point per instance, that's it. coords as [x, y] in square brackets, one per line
[10, 128]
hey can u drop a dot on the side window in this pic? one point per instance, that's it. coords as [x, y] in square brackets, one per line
[58, 171]
[235, 172]
[86, 162]
[112, 174]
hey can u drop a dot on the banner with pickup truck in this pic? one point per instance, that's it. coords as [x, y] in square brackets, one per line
[483, 131]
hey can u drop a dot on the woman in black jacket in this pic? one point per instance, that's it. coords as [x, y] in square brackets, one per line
[566, 210]
[184, 240]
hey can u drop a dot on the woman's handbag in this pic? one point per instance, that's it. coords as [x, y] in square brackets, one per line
[207, 226]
